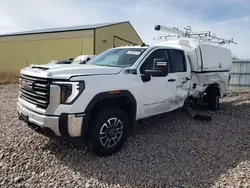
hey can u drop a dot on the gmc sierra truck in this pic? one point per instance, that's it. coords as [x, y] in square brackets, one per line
[98, 103]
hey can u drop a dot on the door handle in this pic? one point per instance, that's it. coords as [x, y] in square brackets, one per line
[171, 80]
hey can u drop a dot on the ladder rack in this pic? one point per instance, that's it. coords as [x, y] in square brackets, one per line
[203, 36]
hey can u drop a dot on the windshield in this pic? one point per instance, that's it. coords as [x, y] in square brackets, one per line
[118, 57]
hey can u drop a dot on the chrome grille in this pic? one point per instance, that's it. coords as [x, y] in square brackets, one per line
[35, 90]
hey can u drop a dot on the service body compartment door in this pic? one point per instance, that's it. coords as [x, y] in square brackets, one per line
[214, 58]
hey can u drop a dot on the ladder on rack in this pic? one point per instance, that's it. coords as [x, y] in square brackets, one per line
[204, 36]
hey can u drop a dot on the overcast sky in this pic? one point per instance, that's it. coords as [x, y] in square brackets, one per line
[226, 18]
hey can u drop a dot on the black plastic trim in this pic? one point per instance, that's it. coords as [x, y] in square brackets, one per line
[63, 124]
[130, 71]
[202, 72]
[85, 127]
[145, 78]
[81, 89]
[48, 132]
[107, 96]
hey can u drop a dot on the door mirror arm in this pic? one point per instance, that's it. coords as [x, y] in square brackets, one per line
[145, 77]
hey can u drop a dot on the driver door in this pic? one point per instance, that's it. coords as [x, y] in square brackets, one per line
[157, 94]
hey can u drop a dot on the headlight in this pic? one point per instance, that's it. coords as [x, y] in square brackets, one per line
[66, 91]
[70, 91]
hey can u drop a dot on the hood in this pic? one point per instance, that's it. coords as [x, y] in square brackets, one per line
[62, 71]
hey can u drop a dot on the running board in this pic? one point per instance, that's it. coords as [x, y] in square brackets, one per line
[197, 116]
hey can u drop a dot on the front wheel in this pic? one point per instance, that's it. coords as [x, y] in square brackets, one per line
[109, 131]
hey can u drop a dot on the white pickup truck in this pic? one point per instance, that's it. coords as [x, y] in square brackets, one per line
[99, 103]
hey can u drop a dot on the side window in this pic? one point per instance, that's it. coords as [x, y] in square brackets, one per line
[148, 63]
[178, 63]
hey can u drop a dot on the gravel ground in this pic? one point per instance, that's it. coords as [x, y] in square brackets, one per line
[172, 151]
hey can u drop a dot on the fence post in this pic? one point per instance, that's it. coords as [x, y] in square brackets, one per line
[240, 72]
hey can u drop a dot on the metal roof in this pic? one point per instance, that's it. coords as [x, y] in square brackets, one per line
[63, 29]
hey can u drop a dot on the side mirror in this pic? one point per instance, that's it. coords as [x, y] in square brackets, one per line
[159, 69]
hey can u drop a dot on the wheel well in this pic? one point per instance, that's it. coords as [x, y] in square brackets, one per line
[124, 103]
[215, 85]
[212, 86]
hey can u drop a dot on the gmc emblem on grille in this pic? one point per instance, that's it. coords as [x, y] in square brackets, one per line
[26, 83]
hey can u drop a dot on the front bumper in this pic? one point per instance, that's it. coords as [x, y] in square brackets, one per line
[65, 126]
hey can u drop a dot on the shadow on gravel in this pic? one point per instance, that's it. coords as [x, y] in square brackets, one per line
[174, 150]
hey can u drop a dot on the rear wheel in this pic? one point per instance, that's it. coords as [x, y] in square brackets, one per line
[213, 99]
[109, 131]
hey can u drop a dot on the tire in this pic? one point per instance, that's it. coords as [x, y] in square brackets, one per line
[213, 99]
[103, 119]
